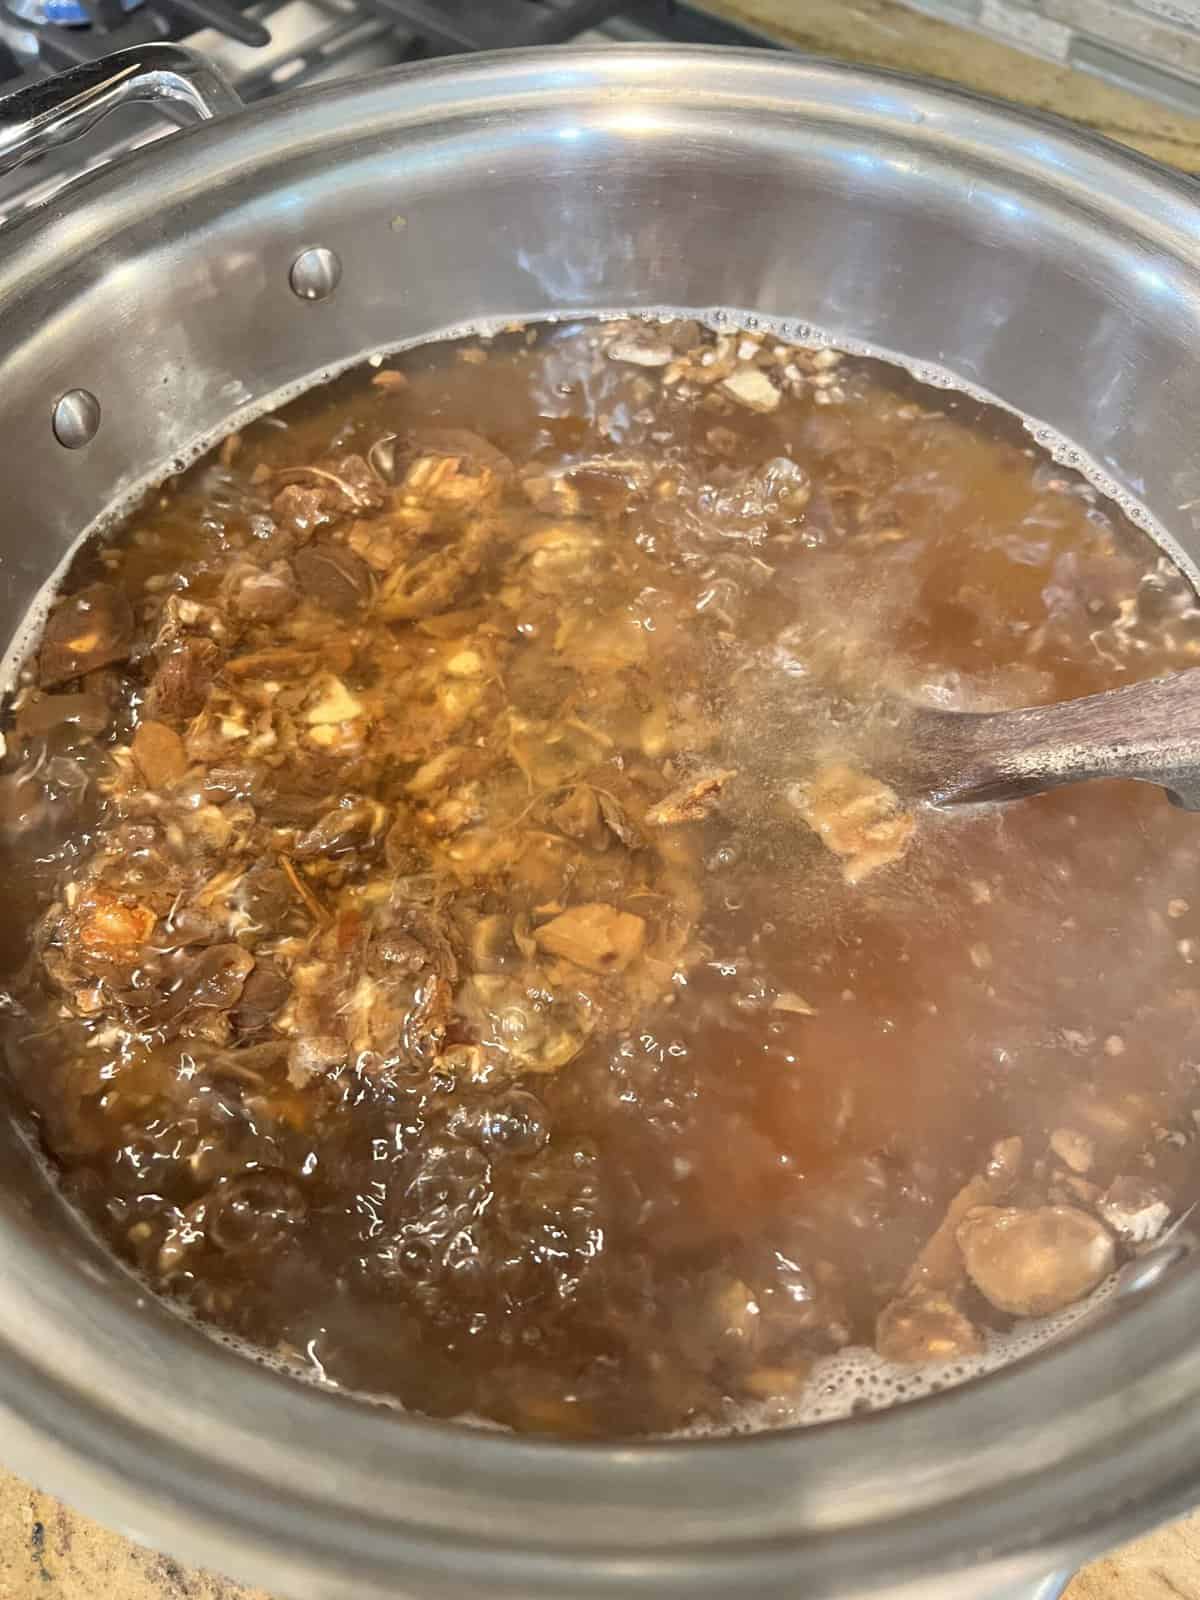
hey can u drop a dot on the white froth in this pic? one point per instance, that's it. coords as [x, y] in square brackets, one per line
[859, 1380]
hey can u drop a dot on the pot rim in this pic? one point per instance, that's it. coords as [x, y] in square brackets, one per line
[1086, 1441]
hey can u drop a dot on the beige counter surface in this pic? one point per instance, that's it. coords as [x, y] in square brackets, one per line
[47, 1551]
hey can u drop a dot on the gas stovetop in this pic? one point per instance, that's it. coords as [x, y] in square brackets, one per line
[265, 46]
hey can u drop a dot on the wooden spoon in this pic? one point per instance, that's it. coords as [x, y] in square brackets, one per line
[1148, 731]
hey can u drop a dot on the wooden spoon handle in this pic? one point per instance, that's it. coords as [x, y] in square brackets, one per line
[1149, 731]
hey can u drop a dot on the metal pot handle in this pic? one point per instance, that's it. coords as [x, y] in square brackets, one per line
[53, 111]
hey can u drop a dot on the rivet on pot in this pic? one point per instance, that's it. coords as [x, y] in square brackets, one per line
[315, 273]
[75, 418]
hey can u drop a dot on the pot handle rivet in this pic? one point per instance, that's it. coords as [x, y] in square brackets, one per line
[75, 418]
[315, 273]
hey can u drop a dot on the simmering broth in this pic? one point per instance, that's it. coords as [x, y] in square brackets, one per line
[461, 941]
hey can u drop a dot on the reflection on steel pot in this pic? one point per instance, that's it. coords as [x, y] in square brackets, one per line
[195, 282]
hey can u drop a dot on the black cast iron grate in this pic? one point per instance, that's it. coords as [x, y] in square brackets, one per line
[52, 34]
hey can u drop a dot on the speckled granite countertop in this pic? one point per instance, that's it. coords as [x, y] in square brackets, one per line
[47, 1551]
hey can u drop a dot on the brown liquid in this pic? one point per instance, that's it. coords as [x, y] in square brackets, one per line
[637, 1172]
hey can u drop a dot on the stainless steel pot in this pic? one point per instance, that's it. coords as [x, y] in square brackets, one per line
[200, 278]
